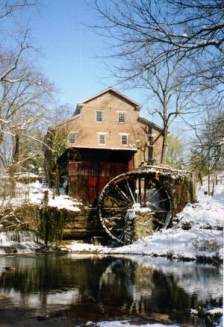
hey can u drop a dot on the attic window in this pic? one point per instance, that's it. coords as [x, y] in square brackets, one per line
[121, 117]
[72, 137]
[99, 116]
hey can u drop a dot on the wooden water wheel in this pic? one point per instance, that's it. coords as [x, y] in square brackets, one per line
[141, 192]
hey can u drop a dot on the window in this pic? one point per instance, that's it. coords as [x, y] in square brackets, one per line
[99, 116]
[124, 139]
[72, 137]
[78, 109]
[121, 117]
[102, 138]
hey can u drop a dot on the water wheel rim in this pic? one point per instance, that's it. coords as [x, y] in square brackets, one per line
[114, 183]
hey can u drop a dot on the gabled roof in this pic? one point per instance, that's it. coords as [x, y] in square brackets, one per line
[116, 92]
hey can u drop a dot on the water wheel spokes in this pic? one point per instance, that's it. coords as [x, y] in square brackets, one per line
[133, 193]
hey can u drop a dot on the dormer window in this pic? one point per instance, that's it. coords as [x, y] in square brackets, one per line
[121, 117]
[99, 116]
[72, 137]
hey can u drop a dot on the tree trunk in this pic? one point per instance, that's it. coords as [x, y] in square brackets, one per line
[164, 146]
[165, 129]
[200, 178]
[150, 158]
[213, 187]
[12, 181]
[16, 149]
[209, 184]
[57, 181]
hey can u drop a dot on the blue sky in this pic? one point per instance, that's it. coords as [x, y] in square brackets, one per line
[70, 50]
[72, 53]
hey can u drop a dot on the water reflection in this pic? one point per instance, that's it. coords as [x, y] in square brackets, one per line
[62, 289]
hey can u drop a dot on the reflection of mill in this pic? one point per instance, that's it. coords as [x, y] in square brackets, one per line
[129, 285]
[143, 291]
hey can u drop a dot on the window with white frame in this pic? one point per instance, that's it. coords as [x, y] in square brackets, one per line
[99, 115]
[72, 137]
[121, 117]
[124, 139]
[102, 138]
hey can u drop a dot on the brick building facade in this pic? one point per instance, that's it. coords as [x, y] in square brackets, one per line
[105, 137]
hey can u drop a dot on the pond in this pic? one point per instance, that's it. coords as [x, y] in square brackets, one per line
[75, 290]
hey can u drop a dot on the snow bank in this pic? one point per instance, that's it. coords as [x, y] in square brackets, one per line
[172, 243]
[37, 190]
[22, 242]
[33, 193]
[177, 243]
[203, 237]
[208, 212]
[215, 311]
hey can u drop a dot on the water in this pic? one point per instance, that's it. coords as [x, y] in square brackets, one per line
[72, 290]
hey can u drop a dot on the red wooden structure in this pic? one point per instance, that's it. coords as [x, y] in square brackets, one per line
[90, 169]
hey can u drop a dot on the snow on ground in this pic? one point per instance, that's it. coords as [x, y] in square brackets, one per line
[34, 193]
[208, 212]
[215, 311]
[30, 193]
[202, 239]
[22, 243]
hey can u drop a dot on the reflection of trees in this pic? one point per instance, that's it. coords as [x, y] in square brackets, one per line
[168, 297]
[51, 273]
[116, 284]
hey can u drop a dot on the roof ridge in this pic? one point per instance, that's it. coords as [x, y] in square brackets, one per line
[111, 89]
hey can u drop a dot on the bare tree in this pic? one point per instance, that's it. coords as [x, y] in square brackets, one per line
[171, 95]
[191, 31]
[208, 147]
[147, 57]
[55, 144]
[23, 97]
[9, 7]
[24, 92]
